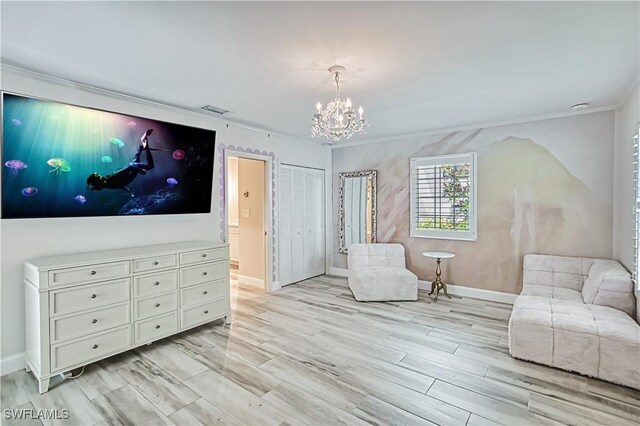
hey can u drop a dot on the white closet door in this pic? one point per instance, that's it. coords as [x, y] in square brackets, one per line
[285, 201]
[297, 219]
[314, 223]
[320, 231]
[301, 223]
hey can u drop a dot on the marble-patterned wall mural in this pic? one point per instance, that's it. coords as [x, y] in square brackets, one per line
[543, 187]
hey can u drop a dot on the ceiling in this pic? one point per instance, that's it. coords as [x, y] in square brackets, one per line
[414, 67]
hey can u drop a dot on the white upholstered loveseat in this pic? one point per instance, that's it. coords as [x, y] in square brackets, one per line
[377, 272]
[577, 314]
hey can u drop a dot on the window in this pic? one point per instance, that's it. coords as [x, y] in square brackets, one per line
[636, 207]
[443, 197]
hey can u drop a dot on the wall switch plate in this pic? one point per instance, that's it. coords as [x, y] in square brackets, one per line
[246, 213]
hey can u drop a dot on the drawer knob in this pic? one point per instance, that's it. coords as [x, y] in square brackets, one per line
[155, 262]
[204, 273]
[93, 321]
[204, 254]
[95, 346]
[156, 283]
[206, 312]
[205, 292]
[93, 272]
[157, 327]
[157, 305]
[93, 296]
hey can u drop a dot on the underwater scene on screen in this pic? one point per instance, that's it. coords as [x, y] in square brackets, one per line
[60, 160]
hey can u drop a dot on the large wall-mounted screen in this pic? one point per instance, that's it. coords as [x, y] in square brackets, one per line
[61, 160]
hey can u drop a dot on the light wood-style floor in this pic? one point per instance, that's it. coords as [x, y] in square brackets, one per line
[310, 354]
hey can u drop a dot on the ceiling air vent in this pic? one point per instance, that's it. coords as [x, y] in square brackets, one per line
[215, 110]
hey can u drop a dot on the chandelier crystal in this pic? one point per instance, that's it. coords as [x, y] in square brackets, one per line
[337, 120]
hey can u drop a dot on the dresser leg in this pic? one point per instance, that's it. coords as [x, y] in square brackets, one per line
[27, 368]
[227, 321]
[43, 386]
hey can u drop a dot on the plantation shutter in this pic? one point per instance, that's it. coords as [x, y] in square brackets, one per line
[636, 207]
[443, 197]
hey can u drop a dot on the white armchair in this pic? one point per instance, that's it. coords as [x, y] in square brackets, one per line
[377, 272]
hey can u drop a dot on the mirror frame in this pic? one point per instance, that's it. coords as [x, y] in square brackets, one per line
[374, 206]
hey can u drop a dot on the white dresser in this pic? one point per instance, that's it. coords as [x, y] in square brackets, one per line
[83, 307]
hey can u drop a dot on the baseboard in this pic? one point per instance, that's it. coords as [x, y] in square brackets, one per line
[250, 280]
[457, 290]
[12, 363]
[474, 293]
[275, 285]
[338, 272]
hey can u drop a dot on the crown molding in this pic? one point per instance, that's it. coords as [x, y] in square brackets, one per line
[20, 70]
[59, 81]
[628, 93]
[474, 126]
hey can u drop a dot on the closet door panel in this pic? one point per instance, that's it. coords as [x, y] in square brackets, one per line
[301, 223]
[298, 219]
[319, 219]
[285, 224]
[308, 221]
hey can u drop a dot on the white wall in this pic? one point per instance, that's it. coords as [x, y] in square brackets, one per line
[232, 181]
[251, 226]
[25, 239]
[543, 187]
[626, 125]
[626, 121]
[232, 206]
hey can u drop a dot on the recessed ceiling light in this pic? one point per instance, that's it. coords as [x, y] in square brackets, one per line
[580, 106]
[215, 110]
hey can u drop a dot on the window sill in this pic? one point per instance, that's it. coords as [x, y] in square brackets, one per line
[447, 237]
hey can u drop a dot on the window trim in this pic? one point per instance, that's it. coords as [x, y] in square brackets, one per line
[636, 207]
[472, 233]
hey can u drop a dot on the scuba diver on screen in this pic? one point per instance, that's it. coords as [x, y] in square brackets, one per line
[123, 177]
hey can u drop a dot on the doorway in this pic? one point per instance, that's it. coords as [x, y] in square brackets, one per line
[247, 224]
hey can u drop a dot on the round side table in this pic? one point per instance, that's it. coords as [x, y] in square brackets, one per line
[437, 284]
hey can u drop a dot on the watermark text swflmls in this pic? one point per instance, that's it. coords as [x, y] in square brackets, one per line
[30, 413]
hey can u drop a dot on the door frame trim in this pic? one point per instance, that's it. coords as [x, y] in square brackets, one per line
[269, 158]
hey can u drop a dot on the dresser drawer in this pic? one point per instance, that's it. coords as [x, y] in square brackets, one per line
[203, 313]
[77, 325]
[156, 262]
[154, 305]
[147, 285]
[200, 256]
[88, 296]
[203, 273]
[89, 348]
[156, 327]
[83, 274]
[194, 295]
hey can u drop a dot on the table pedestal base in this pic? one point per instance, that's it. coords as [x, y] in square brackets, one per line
[437, 284]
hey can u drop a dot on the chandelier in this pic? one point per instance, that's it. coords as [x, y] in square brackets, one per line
[338, 120]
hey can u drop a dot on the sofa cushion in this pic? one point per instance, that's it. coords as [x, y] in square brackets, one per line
[609, 284]
[552, 292]
[598, 341]
[367, 255]
[383, 284]
[557, 271]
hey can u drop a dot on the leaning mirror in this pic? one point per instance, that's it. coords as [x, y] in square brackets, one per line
[357, 208]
